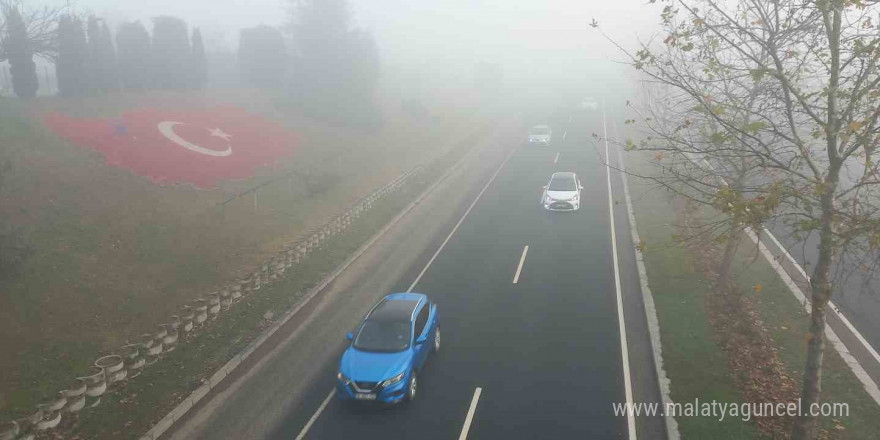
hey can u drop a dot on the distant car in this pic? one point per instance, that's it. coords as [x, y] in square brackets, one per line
[540, 135]
[562, 193]
[389, 349]
[589, 104]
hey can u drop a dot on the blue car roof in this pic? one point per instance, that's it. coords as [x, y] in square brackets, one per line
[406, 296]
[396, 307]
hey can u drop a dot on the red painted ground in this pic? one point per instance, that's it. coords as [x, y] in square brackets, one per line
[207, 145]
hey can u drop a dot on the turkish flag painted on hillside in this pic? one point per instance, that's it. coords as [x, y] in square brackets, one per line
[198, 146]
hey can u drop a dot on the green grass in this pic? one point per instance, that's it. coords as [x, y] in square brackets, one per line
[788, 322]
[130, 410]
[694, 362]
[114, 254]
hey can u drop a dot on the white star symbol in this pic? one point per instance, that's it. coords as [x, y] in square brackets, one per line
[220, 134]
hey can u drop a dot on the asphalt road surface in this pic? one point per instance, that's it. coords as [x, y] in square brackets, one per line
[536, 333]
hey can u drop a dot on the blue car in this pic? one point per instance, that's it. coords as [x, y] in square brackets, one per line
[389, 349]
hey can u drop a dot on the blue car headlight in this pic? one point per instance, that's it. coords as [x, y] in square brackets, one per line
[393, 380]
[343, 379]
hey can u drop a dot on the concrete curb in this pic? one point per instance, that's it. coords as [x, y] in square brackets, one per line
[190, 401]
[663, 381]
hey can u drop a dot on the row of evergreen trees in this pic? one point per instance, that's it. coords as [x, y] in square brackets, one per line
[328, 67]
[88, 62]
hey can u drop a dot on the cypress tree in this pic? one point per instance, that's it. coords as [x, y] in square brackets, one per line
[134, 51]
[93, 66]
[72, 57]
[109, 70]
[171, 53]
[62, 65]
[262, 57]
[199, 61]
[20, 56]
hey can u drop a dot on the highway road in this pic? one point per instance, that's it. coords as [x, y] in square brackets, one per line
[529, 305]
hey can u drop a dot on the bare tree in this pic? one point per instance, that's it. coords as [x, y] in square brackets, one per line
[41, 24]
[698, 163]
[791, 86]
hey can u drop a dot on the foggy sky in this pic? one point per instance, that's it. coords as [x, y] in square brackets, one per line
[537, 41]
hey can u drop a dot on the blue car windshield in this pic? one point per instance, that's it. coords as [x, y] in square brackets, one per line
[383, 336]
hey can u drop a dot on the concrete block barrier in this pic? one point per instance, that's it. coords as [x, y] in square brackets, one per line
[96, 382]
[9, 430]
[186, 315]
[169, 341]
[50, 420]
[56, 404]
[236, 292]
[113, 367]
[27, 425]
[133, 360]
[155, 349]
[77, 388]
[75, 396]
[75, 404]
[200, 310]
[225, 299]
[213, 305]
[257, 281]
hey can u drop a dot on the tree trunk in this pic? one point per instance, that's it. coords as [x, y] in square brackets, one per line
[725, 266]
[820, 285]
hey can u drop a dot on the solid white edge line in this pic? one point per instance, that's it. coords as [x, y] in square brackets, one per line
[834, 309]
[664, 383]
[305, 430]
[522, 260]
[470, 414]
[624, 348]
[460, 221]
[556, 159]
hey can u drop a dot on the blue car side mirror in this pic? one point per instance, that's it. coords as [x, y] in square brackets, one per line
[349, 336]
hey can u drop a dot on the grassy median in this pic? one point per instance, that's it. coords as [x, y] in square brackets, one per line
[693, 354]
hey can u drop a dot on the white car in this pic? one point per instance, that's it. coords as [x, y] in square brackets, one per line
[589, 104]
[562, 193]
[540, 135]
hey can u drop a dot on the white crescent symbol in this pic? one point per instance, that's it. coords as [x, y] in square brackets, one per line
[167, 129]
